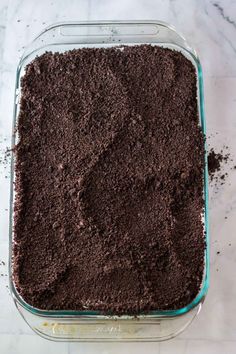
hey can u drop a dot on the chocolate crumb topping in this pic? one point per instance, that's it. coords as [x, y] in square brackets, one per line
[109, 180]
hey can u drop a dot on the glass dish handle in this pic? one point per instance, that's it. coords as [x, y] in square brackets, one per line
[108, 32]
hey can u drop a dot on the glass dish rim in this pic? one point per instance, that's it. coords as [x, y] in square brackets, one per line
[97, 314]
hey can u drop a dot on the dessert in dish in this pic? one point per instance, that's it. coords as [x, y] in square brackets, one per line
[109, 181]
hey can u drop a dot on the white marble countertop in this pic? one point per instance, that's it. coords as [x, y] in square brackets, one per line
[210, 27]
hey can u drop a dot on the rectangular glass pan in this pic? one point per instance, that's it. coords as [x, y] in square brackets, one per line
[91, 325]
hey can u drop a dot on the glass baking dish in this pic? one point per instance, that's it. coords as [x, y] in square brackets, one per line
[91, 325]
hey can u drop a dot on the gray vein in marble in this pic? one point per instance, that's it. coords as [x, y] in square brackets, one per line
[224, 16]
[228, 41]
